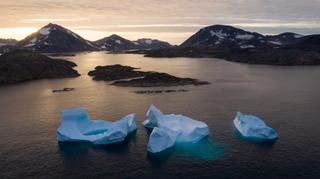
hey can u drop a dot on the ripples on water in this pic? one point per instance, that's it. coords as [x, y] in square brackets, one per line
[287, 98]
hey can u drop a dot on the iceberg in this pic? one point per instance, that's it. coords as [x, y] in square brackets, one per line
[75, 126]
[170, 129]
[252, 127]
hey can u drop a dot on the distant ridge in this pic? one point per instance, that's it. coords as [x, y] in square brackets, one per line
[116, 43]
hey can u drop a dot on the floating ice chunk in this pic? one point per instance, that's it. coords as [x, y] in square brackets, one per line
[253, 127]
[76, 126]
[153, 116]
[161, 139]
[171, 129]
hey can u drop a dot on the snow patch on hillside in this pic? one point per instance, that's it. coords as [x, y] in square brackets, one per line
[118, 42]
[33, 40]
[148, 41]
[45, 31]
[275, 42]
[245, 37]
[219, 34]
[247, 46]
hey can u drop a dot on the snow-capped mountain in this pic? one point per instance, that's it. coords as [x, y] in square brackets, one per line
[115, 43]
[222, 36]
[151, 44]
[218, 36]
[10, 42]
[53, 38]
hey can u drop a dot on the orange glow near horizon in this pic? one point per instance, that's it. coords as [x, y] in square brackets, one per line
[168, 20]
[16, 32]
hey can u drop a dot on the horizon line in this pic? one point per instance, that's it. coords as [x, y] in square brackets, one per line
[102, 29]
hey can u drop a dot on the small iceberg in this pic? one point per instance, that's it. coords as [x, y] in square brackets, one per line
[171, 129]
[252, 127]
[76, 126]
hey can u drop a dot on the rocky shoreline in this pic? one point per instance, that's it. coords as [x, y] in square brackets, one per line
[269, 56]
[21, 65]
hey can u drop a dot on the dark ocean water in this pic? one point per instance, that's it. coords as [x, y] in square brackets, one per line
[287, 98]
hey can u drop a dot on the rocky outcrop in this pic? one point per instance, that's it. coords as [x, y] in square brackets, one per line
[115, 72]
[156, 79]
[130, 77]
[19, 66]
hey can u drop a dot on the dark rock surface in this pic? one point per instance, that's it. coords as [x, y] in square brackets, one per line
[62, 90]
[270, 56]
[160, 91]
[155, 79]
[115, 72]
[20, 66]
[129, 76]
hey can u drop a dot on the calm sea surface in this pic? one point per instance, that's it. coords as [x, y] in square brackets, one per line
[287, 98]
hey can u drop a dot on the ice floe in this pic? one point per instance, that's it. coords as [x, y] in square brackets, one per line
[252, 127]
[76, 126]
[171, 129]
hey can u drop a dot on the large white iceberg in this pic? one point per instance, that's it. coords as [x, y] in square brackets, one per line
[252, 127]
[171, 129]
[76, 126]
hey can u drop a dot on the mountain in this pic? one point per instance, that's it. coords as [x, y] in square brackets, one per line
[146, 43]
[53, 38]
[234, 44]
[8, 42]
[222, 37]
[115, 43]
[22, 65]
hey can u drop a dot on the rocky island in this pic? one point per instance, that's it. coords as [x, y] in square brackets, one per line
[130, 77]
[155, 79]
[21, 65]
[115, 72]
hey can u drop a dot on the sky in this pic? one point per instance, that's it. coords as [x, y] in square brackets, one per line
[168, 20]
